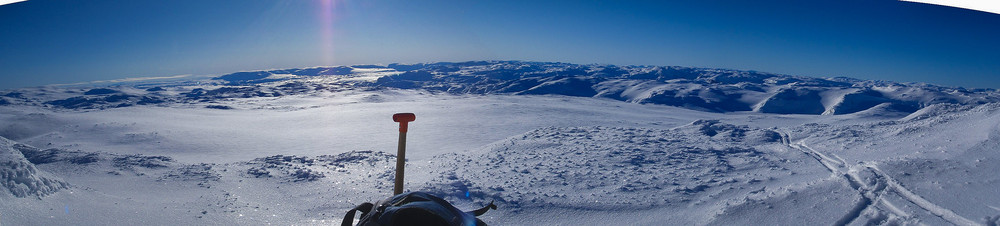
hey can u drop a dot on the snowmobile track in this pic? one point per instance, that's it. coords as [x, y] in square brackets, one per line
[872, 192]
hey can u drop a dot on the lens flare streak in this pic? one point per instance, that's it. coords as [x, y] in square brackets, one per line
[327, 17]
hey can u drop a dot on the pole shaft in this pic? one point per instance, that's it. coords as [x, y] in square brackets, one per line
[400, 163]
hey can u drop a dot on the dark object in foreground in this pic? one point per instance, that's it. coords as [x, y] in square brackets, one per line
[414, 208]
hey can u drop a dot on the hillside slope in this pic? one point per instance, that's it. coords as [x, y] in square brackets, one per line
[704, 89]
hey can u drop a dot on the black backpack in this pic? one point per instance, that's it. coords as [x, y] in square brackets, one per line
[414, 208]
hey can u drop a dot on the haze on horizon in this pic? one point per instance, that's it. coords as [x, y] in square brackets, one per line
[61, 41]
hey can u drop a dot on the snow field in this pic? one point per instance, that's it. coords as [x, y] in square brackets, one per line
[550, 143]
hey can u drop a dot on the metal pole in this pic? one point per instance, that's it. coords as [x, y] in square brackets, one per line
[403, 119]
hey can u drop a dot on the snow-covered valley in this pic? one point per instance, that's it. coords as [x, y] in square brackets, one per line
[550, 143]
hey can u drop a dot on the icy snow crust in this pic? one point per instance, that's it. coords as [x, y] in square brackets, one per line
[550, 143]
[19, 177]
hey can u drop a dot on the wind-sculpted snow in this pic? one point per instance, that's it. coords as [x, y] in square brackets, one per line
[610, 168]
[208, 193]
[931, 167]
[715, 90]
[304, 169]
[20, 178]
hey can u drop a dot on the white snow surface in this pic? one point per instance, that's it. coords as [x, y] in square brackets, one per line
[568, 145]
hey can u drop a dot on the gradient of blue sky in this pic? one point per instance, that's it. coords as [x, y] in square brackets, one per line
[66, 41]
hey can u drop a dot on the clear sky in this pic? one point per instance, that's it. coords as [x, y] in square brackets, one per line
[68, 41]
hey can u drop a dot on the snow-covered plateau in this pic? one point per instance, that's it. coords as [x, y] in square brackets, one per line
[549, 143]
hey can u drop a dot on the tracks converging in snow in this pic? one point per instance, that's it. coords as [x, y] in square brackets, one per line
[873, 185]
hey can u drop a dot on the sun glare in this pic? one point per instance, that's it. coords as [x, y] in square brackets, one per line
[327, 17]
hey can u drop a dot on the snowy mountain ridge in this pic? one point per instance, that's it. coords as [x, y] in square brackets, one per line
[703, 89]
[716, 90]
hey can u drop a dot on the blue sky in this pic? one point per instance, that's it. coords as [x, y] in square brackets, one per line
[67, 41]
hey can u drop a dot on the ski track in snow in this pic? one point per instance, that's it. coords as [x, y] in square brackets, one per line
[873, 189]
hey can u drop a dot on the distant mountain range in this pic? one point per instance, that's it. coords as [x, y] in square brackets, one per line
[705, 89]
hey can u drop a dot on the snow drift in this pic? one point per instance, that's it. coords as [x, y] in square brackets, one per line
[19, 177]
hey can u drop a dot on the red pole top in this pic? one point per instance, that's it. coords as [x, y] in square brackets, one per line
[403, 119]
